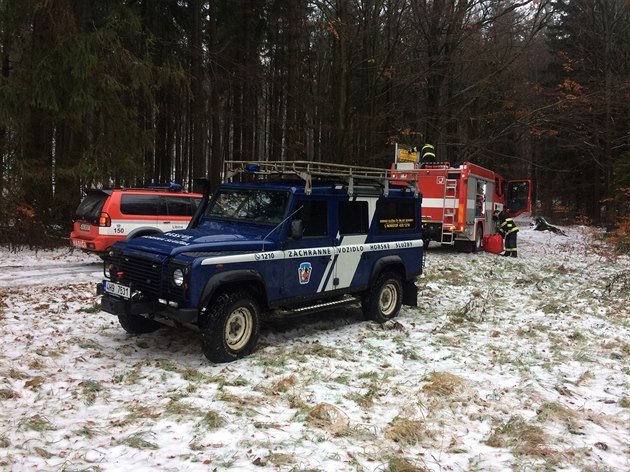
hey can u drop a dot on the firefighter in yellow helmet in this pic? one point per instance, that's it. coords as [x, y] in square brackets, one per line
[427, 153]
[509, 230]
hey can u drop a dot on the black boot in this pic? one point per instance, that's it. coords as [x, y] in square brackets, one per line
[514, 254]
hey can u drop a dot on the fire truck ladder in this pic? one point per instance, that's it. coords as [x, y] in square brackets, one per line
[448, 215]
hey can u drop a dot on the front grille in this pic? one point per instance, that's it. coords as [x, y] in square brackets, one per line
[143, 274]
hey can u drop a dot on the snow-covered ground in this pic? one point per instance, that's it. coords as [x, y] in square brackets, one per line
[507, 364]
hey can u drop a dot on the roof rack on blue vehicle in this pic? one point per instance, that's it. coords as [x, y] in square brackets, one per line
[309, 171]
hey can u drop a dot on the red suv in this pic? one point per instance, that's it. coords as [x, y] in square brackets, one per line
[109, 215]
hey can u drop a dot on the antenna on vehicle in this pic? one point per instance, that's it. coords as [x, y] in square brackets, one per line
[278, 225]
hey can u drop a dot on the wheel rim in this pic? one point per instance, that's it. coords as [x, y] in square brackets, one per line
[238, 329]
[388, 299]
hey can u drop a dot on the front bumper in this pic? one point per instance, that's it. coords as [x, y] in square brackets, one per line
[119, 306]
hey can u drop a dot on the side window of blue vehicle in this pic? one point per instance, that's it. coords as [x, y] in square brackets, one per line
[314, 215]
[353, 218]
[396, 215]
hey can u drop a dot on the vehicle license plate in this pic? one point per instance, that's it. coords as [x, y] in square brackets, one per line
[84, 227]
[79, 243]
[117, 289]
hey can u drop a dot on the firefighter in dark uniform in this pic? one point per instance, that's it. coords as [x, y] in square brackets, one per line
[427, 153]
[509, 230]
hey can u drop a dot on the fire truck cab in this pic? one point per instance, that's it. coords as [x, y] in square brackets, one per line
[458, 203]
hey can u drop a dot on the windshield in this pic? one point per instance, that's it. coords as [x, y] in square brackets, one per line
[252, 206]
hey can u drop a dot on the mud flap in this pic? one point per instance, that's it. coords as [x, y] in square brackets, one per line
[410, 293]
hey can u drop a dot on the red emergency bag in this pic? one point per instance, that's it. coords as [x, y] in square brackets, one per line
[493, 243]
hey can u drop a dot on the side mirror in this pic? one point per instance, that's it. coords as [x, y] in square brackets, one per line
[297, 229]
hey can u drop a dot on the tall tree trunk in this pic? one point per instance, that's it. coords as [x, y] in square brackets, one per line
[198, 105]
[37, 159]
[4, 145]
[215, 160]
[294, 93]
[70, 138]
[343, 78]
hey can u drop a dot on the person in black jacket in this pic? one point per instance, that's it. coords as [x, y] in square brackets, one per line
[509, 230]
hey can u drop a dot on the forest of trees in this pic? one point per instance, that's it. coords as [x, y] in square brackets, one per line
[126, 92]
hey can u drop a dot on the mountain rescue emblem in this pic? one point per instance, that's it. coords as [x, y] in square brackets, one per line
[304, 272]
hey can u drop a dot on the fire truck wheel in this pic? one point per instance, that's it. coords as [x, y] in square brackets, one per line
[229, 327]
[136, 324]
[383, 300]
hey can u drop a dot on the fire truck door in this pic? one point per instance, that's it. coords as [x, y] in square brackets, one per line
[519, 197]
[480, 198]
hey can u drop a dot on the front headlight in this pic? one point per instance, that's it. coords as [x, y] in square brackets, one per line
[111, 264]
[178, 277]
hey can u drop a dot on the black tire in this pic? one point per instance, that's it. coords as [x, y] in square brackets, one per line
[136, 324]
[229, 328]
[382, 301]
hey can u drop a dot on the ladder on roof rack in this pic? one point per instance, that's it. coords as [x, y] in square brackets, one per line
[307, 171]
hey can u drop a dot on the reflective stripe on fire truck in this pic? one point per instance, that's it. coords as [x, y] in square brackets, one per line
[435, 202]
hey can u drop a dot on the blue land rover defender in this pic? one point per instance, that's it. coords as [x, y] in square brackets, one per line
[275, 239]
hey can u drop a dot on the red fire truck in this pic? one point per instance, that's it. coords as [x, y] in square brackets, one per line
[458, 202]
